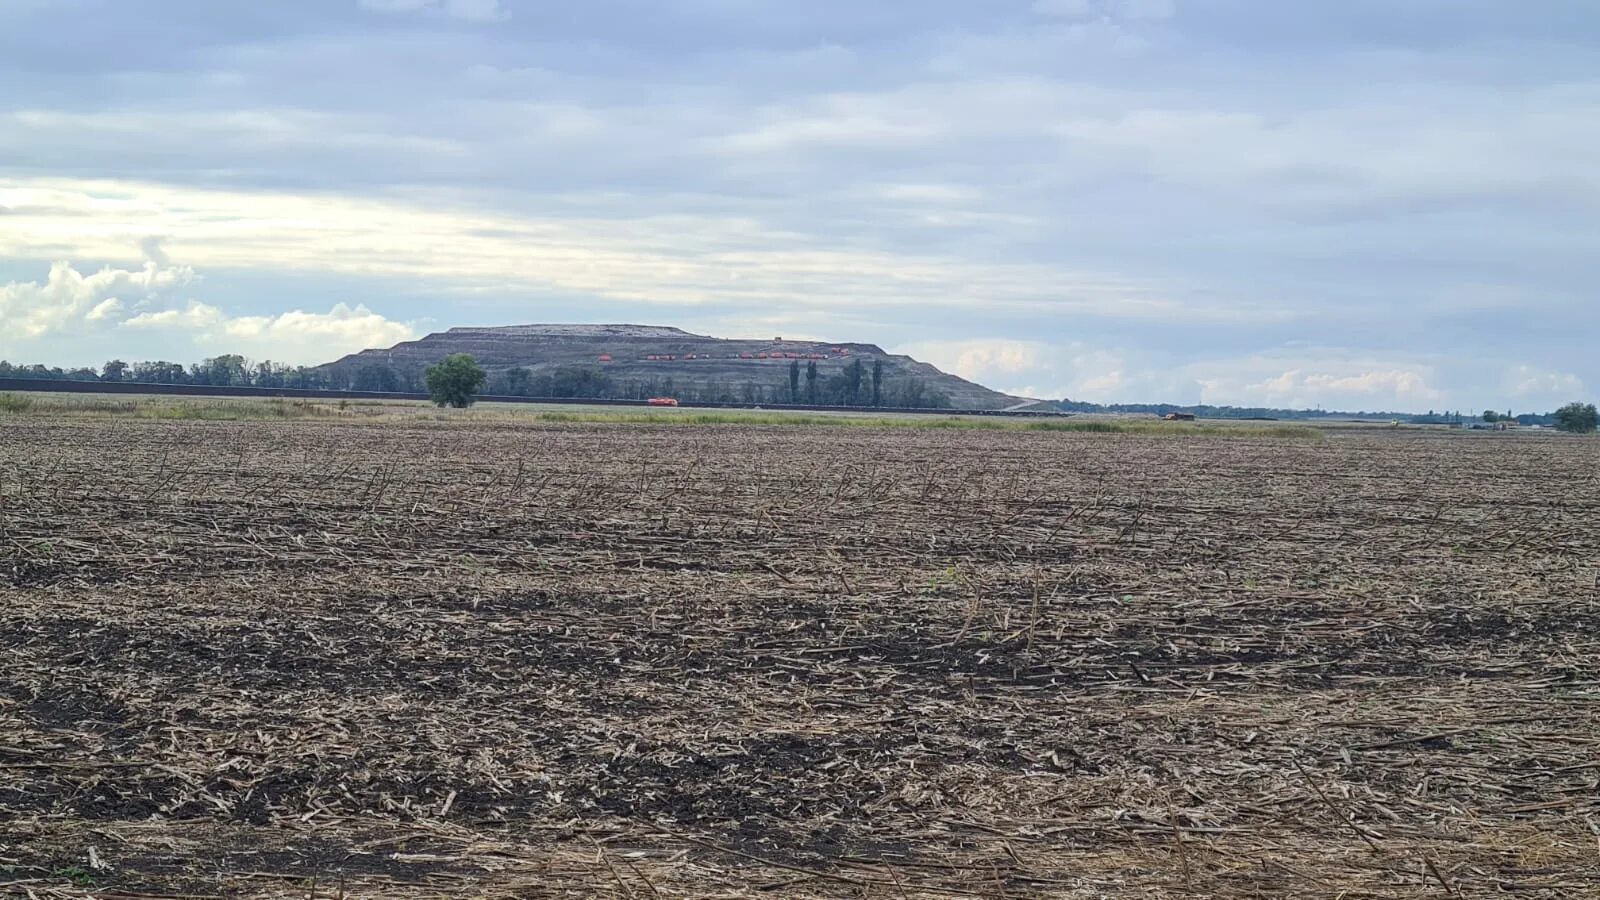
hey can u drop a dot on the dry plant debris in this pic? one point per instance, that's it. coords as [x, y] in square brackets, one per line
[305, 659]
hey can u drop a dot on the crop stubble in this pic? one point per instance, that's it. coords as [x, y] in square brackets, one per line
[296, 659]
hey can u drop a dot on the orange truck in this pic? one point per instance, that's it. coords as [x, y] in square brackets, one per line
[663, 401]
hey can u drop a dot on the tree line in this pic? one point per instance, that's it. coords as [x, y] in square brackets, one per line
[855, 385]
[1575, 418]
[1578, 418]
[228, 370]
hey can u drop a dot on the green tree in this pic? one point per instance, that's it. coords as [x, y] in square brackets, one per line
[455, 379]
[584, 382]
[854, 375]
[114, 370]
[301, 377]
[227, 370]
[794, 381]
[811, 382]
[376, 377]
[1491, 416]
[160, 372]
[877, 382]
[518, 381]
[1577, 418]
[230, 369]
[269, 374]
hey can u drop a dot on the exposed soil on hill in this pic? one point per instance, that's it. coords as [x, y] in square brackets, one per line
[624, 353]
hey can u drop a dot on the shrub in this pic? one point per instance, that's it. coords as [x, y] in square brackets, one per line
[1577, 418]
[454, 380]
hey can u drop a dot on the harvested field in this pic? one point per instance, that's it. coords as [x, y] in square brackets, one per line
[323, 659]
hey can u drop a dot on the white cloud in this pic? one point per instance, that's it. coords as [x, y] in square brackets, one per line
[1106, 375]
[1069, 371]
[140, 310]
[296, 336]
[840, 124]
[980, 360]
[1101, 177]
[1399, 388]
[1543, 388]
[476, 11]
[1308, 378]
[105, 310]
[668, 260]
[151, 247]
[195, 317]
[67, 299]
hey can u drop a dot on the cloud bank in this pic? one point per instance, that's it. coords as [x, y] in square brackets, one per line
[147, 306]
[1362, 203]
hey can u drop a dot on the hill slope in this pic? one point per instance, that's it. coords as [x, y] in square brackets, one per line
[634, 360]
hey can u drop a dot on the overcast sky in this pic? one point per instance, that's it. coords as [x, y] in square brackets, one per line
[1369, 204]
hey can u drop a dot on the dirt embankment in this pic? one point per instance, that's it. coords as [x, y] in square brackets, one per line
[645, 354]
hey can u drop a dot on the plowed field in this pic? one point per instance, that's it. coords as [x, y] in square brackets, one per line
[311, 659]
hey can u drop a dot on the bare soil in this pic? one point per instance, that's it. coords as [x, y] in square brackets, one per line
[307, 659]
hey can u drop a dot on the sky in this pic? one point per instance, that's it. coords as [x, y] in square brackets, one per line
[1364, 205]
